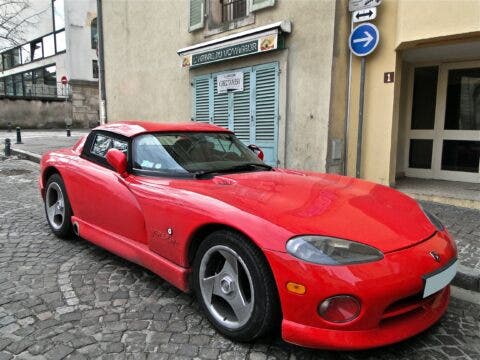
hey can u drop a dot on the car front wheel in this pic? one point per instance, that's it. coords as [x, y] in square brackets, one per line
[234, 286]
[57, 207]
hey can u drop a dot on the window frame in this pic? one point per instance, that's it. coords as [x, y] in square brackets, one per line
[18, 48]
[41, 69]
[102, 161]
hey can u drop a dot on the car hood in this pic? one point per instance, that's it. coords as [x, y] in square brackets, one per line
[322, 204]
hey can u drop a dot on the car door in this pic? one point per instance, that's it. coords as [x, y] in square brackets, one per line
[99, 195]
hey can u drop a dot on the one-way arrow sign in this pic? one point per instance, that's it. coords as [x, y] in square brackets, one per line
[364, 39]
[364, 15]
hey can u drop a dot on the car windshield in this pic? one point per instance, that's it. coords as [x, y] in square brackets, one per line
[196, 153]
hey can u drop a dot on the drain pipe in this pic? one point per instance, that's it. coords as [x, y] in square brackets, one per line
[101, 65]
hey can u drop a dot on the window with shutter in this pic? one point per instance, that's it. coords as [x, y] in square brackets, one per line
[241, 110]
[220, 106]
[252, 113]
[260, 4]
[201, 99]
[197, 14]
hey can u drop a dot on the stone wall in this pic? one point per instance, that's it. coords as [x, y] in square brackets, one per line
[34, 114]
[85, 108]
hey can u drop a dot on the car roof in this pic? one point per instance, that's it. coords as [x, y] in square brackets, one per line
[135, 127]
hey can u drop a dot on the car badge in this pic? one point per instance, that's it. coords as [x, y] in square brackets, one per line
[435, 256]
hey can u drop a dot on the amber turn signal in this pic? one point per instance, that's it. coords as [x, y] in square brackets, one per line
[296, 288]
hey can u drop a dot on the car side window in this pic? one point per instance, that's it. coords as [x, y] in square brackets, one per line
[102, 143]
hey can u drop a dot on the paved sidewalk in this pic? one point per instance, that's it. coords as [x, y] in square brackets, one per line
[40, 141]
[69, 299]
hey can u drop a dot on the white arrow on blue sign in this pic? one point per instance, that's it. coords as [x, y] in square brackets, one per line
[364, 39]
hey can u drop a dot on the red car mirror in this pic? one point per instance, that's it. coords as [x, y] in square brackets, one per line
[257, 151]
[118, 160]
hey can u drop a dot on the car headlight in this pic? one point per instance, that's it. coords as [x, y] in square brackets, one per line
[331, 251]
[433, 219]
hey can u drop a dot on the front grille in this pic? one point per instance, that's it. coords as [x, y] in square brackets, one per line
[409, 305]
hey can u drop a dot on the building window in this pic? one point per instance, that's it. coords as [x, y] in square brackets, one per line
[17, 79]
[26, 55]
[48, 46]
[95, 69]
[28, 83]
[9, 86]
[94, 33]
[37, 49]
[60, 41]
[233, 9]
[40, 83]
[224, 15]
[58, 14]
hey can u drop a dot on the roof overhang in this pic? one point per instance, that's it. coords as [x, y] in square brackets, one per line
[258, 40]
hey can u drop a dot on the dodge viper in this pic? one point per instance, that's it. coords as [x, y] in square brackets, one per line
[332, 261]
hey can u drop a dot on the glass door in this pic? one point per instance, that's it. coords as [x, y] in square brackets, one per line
[443, 138]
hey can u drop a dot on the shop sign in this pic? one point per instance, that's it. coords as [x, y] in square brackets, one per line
[262, 44]
[230, 81]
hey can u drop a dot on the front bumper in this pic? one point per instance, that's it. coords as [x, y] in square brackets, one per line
[389, 290]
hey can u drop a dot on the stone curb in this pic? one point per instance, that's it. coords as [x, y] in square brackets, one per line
[27, 155]
[466, 203]
[466, 278]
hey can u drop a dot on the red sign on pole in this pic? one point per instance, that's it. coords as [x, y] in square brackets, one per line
[64, 80]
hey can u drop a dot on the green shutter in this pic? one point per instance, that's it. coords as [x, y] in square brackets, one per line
[197, 14]
[265, 122]
[220, 106]
[260, 4]
[252, 113]
[201, 96]
[241, 110]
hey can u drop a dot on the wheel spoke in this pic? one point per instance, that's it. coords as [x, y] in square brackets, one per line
[231, 265]
[239, 306]
[209, 285]
[51, 210]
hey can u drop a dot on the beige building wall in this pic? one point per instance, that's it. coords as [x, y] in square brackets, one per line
[404, 26]
[144, 79]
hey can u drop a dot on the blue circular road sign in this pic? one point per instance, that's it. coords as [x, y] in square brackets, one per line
[364, 39]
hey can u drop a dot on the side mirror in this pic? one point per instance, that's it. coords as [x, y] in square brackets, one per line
[257, 151]
[117, 160]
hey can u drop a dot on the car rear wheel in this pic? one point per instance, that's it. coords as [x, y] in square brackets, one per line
[57, 207]
[234, 286]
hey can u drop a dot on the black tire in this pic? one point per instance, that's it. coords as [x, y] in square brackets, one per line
[265, 310]
[61, 225]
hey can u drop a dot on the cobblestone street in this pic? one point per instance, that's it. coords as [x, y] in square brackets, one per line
[71, 299]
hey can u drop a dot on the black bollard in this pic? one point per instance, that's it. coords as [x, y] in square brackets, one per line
[68, 131]
[9, 126]
[19, 136]
[7, 147]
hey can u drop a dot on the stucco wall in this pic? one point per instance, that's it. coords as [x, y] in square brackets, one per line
[79, 15]
[144, 79]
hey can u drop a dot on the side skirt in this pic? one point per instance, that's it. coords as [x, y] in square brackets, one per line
[135, 252]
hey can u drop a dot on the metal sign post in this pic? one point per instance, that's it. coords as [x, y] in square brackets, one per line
[363, 41]
[360, 117]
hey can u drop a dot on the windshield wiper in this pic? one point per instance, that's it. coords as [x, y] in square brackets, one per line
[232, 169]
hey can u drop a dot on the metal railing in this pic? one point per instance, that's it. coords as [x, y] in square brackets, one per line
[42, 91]
[233, 9]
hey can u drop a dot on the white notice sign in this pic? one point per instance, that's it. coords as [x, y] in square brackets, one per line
[230, 81]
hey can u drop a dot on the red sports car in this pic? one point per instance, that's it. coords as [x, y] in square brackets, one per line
[337, 262]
